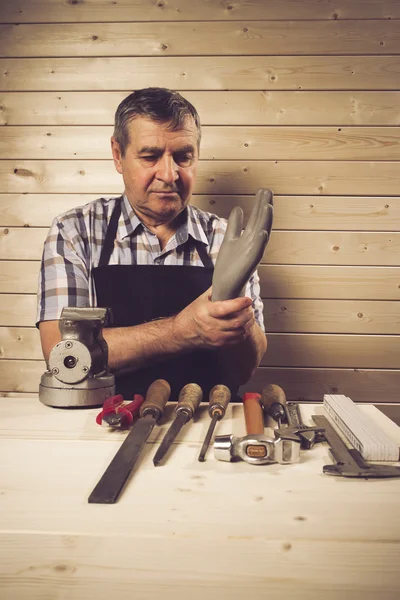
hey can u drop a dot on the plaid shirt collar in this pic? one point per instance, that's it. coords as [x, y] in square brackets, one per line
[129, 223]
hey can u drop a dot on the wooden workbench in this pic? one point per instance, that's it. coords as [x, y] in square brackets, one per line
[186, 529]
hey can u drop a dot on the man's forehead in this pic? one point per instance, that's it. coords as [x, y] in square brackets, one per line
[145, 132]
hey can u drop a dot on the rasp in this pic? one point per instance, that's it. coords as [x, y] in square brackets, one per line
[189, 399]
[110, 485]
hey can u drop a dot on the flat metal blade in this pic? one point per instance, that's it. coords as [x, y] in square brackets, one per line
[111, 483]
[180, 420]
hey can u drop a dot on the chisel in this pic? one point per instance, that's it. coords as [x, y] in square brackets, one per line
[110, 485]
[189, 399]
[220, 396]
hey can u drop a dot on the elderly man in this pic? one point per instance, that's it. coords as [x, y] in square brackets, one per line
[149, 256]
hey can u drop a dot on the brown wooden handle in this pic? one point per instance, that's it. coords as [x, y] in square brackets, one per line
[253, 414]
[220, 396]
[156, 398]
[189, 398]
[270, 394]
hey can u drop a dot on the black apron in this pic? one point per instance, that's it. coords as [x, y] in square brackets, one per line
[138, 294]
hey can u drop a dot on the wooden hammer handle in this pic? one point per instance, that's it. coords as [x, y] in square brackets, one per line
[253, 414]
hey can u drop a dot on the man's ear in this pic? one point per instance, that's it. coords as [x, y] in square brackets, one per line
[116, 154]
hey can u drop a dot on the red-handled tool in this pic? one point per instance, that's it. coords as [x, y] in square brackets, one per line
[253, 413]
[117, 414]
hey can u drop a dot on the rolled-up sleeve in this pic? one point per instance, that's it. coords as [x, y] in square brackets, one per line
[63, 278]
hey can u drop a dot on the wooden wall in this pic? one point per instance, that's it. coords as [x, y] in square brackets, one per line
[302, 96]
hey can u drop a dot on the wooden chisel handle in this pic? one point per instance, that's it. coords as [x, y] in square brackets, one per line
[156, 398]
[253, 414]
[219, 399]
[189, 398]
[270, 394]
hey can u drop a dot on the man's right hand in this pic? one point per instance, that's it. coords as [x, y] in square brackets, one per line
[207, 324]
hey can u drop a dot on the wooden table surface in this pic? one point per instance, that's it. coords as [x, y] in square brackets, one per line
[185, 529]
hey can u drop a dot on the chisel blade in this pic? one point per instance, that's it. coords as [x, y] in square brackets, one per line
[180, 420]
[111, 483]
[208, 437]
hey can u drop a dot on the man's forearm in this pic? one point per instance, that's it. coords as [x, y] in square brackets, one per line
[239, 362]
[130, 348]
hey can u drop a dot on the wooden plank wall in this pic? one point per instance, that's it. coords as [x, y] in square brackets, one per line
[302, 96]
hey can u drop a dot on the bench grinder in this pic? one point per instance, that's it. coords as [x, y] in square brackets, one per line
[77, 372]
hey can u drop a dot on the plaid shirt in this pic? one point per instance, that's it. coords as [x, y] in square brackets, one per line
[73, 247]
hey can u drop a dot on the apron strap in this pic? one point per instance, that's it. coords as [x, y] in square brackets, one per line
[204, 257]
[108, 245]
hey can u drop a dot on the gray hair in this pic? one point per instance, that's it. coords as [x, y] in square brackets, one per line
[158, 104]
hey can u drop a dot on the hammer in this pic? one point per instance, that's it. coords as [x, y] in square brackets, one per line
[256, 448]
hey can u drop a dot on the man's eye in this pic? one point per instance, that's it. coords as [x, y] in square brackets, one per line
[149, 158]
[184, 159]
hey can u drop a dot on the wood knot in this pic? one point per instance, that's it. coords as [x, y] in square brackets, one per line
[95, 37]
[286, 547]
[164, 47]
[23, 172]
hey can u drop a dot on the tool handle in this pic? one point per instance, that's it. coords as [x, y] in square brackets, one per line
[220, 396]
[156, 398]
[270, 394]
[253, 414]
[189, 398]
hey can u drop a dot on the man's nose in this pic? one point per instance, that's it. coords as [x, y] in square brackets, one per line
[167, 170]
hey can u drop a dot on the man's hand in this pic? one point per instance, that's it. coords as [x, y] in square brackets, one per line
[207, 324]
[240, 253]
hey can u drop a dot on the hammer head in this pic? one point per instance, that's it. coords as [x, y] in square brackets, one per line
[256, 449]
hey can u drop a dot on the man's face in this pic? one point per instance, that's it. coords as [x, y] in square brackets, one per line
[159, 168]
